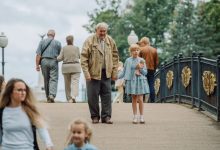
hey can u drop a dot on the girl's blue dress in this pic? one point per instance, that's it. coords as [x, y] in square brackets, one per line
[134, 84]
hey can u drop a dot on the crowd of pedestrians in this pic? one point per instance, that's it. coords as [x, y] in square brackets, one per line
[20, 120]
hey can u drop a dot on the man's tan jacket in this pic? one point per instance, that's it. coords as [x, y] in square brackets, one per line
[92, 58]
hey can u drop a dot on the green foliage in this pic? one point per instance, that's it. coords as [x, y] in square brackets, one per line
[181, 30]
[151, 18]
[209, 22]
[177, 26]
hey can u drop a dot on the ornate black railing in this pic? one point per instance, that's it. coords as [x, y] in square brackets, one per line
[193, 80]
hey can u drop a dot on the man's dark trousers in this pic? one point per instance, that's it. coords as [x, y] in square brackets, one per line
[102, 88]
[150, 78]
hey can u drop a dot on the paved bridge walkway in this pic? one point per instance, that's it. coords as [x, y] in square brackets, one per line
[168, 127]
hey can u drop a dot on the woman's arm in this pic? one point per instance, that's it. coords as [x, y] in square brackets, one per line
[44, 135]
[61, 56]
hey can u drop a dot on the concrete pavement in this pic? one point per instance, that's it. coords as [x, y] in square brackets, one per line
[168, 127]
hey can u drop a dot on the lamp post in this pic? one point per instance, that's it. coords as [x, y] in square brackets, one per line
[132, 38]
[153, 40]
[3, 44]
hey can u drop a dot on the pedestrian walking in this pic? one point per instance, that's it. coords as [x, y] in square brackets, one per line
[46, 59]
[20, 119]
[71, 68]
[149, 54]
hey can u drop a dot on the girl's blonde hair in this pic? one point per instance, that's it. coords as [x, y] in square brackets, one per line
[87, 128]
[133, 47]
[28, 105]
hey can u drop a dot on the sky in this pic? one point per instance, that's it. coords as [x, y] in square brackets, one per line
[23, 20]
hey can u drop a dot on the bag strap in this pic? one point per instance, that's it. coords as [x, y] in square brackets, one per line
[46, 47]
[1, 113]
[36, 147]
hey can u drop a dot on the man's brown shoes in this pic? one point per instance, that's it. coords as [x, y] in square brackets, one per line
[95, 120]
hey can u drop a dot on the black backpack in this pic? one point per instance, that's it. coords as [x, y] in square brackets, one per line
[36, 147]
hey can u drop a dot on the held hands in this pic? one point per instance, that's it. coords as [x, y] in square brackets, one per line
[88, 78]
[38, 67]
[120, 68]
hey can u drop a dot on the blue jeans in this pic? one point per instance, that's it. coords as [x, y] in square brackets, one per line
[150, 78]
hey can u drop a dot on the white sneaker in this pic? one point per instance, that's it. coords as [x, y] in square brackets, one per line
[142, 120]
[135, 120]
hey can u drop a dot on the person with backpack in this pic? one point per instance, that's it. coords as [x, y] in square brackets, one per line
[20, 119]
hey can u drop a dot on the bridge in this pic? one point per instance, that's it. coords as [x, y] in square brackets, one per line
[169, 126]
[185, 116]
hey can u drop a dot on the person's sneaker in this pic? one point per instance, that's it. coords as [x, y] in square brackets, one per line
[142, 120]
[135, 120]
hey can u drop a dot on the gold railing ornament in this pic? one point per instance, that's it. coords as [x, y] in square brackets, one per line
[157, 86]
[169, 79]
[186, 76]
[209, 82]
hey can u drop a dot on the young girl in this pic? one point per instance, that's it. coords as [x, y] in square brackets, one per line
[135, 84]
[79, 136]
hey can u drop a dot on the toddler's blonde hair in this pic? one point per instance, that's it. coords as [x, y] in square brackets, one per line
[87, 128]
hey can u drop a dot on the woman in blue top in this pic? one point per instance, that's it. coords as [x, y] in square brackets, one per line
[79, 136]
[20, 119]
[136, 84]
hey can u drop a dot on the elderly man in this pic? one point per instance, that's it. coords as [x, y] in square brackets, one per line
[99, 59]
[46, 58]
[151, 57]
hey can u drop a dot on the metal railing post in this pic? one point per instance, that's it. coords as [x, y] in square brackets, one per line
[192, 78]
[175, 77]
[199, 78]
[179, 78]
[218, 88]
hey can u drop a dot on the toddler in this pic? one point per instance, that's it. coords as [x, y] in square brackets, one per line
[79, 136]
[119, 84]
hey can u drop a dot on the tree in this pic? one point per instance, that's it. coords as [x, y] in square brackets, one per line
[207, 37]
[147, 17]
[152, 17]
[181, 29]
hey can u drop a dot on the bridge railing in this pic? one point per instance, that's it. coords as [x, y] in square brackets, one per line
[193, 80]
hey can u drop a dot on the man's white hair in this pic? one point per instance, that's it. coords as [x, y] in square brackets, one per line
[101, 25]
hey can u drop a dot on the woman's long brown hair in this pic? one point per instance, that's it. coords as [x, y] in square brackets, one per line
[28, 104]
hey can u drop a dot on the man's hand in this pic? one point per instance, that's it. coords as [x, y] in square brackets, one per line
[114, 78]
[88, 78]
[38, 67]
